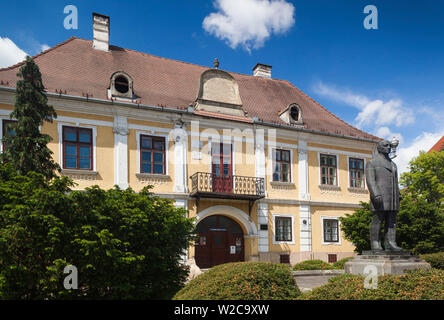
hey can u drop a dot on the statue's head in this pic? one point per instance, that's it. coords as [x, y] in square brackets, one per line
[384, 147]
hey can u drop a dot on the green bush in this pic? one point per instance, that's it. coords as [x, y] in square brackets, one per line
[340, 264]
[125, 245]
[312, 265]
[414, 285]
[436, 260]
[242, 281]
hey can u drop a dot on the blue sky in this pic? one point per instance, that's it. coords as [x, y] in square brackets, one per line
[387, 81]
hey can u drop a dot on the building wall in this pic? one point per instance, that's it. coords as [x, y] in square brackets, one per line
[112, 123]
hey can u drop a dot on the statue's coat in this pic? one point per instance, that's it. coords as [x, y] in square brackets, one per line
[382, 180]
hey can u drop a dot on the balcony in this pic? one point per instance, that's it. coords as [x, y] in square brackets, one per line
[209, 185]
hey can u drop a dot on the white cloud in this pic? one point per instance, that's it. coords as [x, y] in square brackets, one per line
[378, 115]
[373, 112]
[423, 142]
[386, 133]
[9, 53]
[249, 22]
[44, 47]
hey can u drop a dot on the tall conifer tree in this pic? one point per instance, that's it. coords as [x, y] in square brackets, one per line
[26, 148]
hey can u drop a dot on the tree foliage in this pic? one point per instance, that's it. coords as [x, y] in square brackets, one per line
[420, 221]
[356, 227]
[125, 245]
[27, 148]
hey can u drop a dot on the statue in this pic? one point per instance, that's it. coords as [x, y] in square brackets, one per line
[382, 180]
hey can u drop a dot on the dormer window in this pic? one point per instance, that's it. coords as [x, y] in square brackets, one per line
[292, 114]
[121, 86]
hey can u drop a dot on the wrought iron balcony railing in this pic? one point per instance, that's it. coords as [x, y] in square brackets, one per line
[204, 184]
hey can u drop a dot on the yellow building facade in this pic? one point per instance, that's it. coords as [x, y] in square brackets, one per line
[266, 178]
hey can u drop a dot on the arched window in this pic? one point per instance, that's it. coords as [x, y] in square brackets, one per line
[121, 85]
[294, 113]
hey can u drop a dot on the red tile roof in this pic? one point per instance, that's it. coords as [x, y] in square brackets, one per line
[75, 67]
[438, 146]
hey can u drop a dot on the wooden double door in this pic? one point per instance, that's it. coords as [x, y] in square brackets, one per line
[220, 240]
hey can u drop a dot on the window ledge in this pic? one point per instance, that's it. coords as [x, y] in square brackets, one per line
[282, 185]
[153, 178]
[338, 243]
[327, 187]
[79, 174]
[357, 190]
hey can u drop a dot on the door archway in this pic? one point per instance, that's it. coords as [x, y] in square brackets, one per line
[220, 240]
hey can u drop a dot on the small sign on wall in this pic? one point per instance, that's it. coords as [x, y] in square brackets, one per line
[232, 249]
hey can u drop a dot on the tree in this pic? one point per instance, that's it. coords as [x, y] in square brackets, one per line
[420, 221]
[356, 227]
[125, 245]
[27, 148]
[421, 218]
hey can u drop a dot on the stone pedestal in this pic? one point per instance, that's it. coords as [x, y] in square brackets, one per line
[384, 262]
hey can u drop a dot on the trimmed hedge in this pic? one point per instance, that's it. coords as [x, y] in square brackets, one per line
[242, 281]
[312, 265]
[340, 264]
[414, 285]
[436, 260]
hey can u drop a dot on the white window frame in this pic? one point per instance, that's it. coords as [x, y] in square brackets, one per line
[167, 143]
[337, 169]
[233, 149]
[60, 126]
[348, 171]
[339, 231]
[293, 237]
[271, 165]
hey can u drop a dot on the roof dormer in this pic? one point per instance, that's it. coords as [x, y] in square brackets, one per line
[121, 86]
[292, 114]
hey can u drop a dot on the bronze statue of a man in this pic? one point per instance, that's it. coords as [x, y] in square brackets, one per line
[382, 181]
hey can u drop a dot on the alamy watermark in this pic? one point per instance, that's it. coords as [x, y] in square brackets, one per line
[371, 21]
[71, 281]
[71, 21]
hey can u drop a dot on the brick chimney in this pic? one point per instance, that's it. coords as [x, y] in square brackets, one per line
[262, 70]
[100, 32]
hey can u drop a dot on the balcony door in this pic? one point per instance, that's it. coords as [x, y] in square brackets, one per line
[222, 167]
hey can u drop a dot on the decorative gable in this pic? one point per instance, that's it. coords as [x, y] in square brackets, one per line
[219, 92]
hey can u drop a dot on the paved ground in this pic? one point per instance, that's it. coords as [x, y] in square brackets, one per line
[309, 279]
[306, 283]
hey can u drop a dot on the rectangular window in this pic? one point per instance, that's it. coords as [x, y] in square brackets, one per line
[281, 165]
[283, 229]
[77, 148]
[356, 167]
[6, 125]
[328, 170]
[284, 258]
[152, 154]
[331, 230]
[332, 258]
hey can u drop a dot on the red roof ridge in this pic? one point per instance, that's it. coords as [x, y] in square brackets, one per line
[332, 114]
[39, 54]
